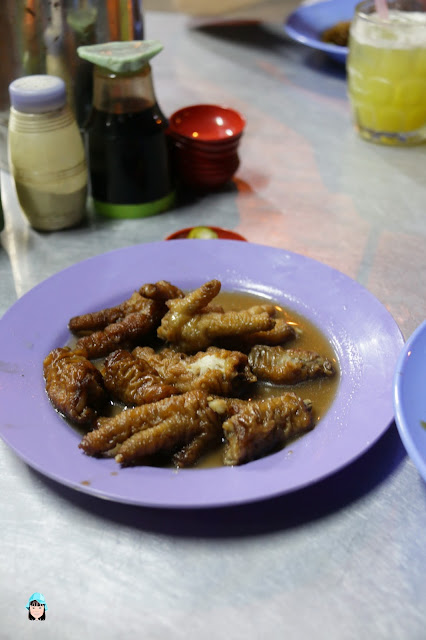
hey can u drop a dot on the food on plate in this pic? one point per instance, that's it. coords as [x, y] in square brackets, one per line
[188, 326]
[337, 34]
[287, 366]
[140, 301]
[188, 425]
[158, 384]
[123, 334]
[215, 370]
[97, 321]
[74, 385]
[279, 334]
[134, 381]
[254, 428]
[171, 424]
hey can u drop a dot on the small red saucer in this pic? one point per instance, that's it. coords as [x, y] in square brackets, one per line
[223, 234]
[207, 122]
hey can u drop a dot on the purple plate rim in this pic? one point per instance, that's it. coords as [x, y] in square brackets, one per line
[365, 337]
[410, 373]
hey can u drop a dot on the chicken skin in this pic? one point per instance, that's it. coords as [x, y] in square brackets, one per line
[287, 366]
[170, 425]
[281, 333]
[161, 291]
[100, 319]
[133, 381]
[138, 302]
[183, 366]
[119, 335]
[256, 427]
[216, 371]
[74, 385]
[189, 328]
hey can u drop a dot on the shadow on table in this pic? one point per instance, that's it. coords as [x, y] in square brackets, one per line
[265, 37]
[322, 63]
[244, 33]
[289, 511]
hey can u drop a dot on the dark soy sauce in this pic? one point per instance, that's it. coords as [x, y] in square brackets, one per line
[128, 155]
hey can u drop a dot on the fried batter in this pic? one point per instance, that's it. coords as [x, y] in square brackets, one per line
[74, 385]
[133, 381]
[215, 371]
[185, 326]
[256, 427]
[138, 302]
[287, 366]
[124, 334]
[167, 425]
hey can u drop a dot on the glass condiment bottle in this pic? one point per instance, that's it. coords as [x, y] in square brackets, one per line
[127, 147]
[46, 153]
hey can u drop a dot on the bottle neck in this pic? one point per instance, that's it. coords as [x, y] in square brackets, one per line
[123, 93]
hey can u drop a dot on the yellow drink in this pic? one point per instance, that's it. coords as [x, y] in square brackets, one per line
[387, 76]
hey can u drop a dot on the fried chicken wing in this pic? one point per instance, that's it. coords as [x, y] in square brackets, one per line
[281, 333]
[98, 320]
[133, 381]
[181, 311]
[161, 291]
[192, 430]
[256, 427]
[198, 446]
[123, 334]
[186, 326]
[168, 425]
[215, 370]
[287, 366]
[139, 302]
[74, 385]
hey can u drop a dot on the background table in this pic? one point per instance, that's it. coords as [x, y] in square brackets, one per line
[342, 559]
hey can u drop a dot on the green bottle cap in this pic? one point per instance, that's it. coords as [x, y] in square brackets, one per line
[123, 56]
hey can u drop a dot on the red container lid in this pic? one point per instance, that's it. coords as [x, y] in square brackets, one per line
[207, 122]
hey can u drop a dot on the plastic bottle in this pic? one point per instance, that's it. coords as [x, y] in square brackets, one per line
[127, 146]
[46, 153]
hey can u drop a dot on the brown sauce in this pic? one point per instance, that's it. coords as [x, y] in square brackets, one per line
[320, 392]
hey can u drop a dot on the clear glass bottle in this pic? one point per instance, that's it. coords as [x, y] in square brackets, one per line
[46, 153]
[127, 146]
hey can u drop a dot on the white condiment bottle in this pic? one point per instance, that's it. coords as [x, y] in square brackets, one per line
[46, 153]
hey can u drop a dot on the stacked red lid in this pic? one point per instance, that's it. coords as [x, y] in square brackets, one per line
[205, 140]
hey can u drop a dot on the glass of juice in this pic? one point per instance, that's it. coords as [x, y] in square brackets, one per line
[387, 72]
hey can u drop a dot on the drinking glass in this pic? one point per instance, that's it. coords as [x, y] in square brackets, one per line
[387, 72]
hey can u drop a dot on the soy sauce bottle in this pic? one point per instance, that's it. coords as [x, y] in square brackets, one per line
[127, 147]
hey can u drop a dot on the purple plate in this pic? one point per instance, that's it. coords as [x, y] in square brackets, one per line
[410, 397]
[364, 336]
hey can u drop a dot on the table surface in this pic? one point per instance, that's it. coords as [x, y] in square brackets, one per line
[342, 559]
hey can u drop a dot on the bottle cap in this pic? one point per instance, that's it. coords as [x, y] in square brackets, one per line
[121, 57]
[37, 93]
